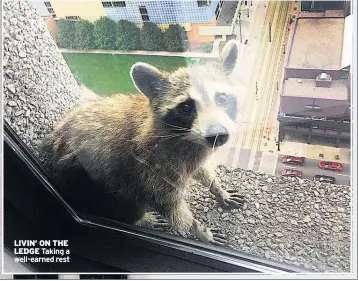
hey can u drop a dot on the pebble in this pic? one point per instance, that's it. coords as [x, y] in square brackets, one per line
[43, 77]
[11, 88]
[281, 219]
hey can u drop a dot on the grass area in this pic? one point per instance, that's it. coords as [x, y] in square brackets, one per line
[106, 74]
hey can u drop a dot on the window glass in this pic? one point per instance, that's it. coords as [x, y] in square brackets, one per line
[141, 114]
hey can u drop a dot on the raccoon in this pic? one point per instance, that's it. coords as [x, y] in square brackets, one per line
[122, 156]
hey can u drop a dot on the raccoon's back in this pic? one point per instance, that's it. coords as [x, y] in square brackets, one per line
[100, 131]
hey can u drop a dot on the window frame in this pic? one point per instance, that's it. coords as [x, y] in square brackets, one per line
[144, 13]
[41, 210]
[202, 3]
[119, 2]
[73, 18]
[107, 4]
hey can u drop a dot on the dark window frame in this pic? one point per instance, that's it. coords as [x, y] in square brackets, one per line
[48, 4]
[51, 10]
[41, 211]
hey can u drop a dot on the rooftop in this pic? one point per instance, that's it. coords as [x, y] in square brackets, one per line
[306, 88]
[227, 13]
[317, 43]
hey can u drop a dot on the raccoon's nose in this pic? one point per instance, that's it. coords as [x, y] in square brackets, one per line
[217, 135]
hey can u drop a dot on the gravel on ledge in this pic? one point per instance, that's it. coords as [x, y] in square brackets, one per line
[39, 89]
[299, 222]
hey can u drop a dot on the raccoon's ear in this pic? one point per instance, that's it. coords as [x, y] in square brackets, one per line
[146, 78]
[229, 56]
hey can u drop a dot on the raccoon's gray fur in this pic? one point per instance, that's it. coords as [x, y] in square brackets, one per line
[123, 155]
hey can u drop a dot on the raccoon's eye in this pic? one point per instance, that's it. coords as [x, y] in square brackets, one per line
[186, 107]
[221, 98]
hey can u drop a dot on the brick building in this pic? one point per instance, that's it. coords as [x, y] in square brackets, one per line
[315, 97]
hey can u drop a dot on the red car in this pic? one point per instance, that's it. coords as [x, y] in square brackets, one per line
[291, 173]
[294, 160]
[328, 165]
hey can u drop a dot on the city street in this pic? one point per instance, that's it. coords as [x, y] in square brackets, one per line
[270, 163]
[310, 169]
[258, 70]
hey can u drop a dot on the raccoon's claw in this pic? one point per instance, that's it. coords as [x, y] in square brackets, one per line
[231, 199]
[153, 220]
[218, 238]
[158, 221]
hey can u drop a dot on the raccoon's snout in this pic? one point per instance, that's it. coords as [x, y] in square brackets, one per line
[216, 135]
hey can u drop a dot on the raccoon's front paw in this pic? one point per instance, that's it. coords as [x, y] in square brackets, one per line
[153, 220]
[217, 238]
[212, 236]
[231, 199]
[158, 221]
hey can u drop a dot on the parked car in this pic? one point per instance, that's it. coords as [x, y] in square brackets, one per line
[291, 173]
[329, 165]
[323, 178]
[294, 160]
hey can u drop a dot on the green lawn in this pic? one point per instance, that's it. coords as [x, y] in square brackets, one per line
[107, 74]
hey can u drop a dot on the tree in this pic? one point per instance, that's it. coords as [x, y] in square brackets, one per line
[105, 33]
[66, 31]
[151, 37]
[175, 39]
[128, 36]
[85, 35]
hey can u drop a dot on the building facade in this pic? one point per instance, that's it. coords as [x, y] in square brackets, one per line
[315, 96]
[201, 19]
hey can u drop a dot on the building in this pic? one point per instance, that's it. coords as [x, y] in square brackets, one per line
[90, 10]
[47, 12]
[203, 20]
[315, 97]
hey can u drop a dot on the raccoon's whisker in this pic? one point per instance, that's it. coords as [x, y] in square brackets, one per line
[178, 127]
[142, 161]
[213, 150]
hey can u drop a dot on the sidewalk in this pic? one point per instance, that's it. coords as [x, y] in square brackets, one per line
[146, 53]
[311, 151]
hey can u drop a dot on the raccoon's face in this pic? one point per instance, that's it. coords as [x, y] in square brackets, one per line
[198, 103]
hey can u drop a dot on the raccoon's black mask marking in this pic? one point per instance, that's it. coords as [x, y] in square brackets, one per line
[181, 117]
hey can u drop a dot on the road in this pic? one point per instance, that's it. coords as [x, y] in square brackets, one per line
[310, 169]
[259, 82]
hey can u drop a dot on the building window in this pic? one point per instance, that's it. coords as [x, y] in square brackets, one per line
[217, 11]
[144, 13]
[145, 18]
[107, 4]
[72, 17]
[47, 4]
[203, 3]
[51, 10]
[121, 4]
[143, 10]
[313, 107]
[344, 74]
